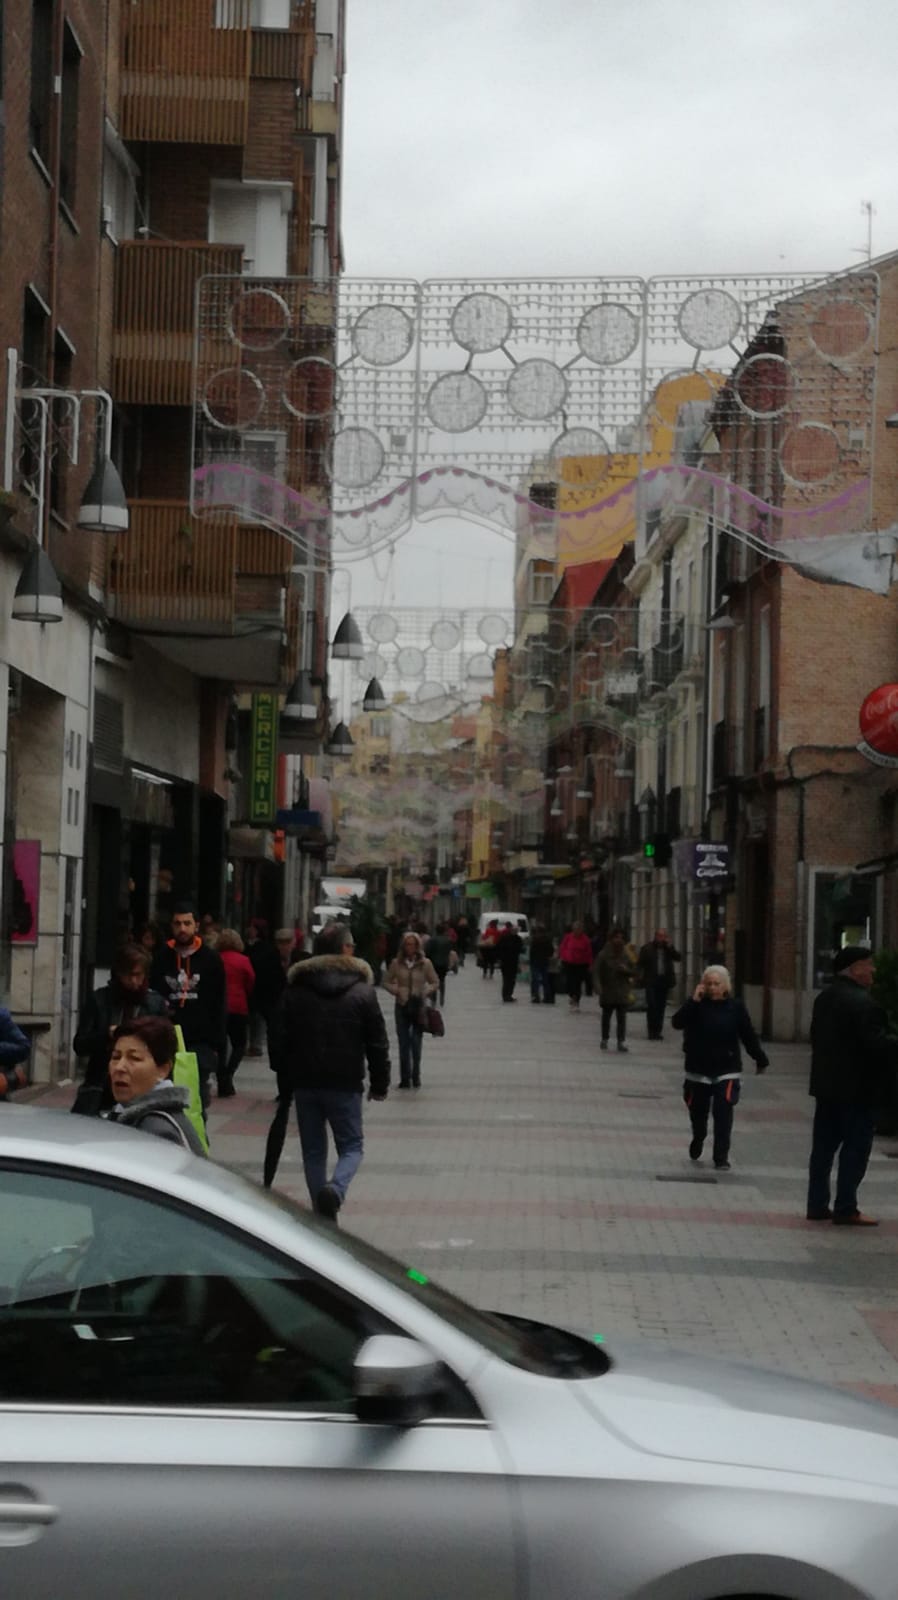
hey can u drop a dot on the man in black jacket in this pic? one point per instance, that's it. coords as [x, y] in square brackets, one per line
[656, 972]
[853, 1063]
[191, 979]
[328, 1024]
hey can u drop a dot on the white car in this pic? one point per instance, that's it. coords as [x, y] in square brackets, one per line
[206, 1393]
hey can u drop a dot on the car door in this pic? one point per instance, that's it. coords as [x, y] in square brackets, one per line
[175, 1406]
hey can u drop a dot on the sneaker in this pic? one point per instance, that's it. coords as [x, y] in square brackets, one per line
[855, 1219]
[722, 1166]
[820, 1216]
[226, 1090]
[624, 1049]
[604, 1045]
[329, 1202]
[696, 1147]
[404, 1085]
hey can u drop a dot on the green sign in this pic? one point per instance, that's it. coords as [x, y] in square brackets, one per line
[263, 760]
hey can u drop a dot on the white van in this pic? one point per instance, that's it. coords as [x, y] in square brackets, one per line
[518, 919]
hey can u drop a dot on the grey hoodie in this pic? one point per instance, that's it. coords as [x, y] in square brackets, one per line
[161, 1112]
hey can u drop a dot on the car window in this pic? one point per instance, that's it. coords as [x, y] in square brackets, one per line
[110, 1297]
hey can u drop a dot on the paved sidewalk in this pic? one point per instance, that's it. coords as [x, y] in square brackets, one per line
[535, 1174]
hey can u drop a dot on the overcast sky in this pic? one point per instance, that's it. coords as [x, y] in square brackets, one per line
[521, 137]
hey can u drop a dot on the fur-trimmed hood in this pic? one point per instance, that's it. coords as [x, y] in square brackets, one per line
[330, 974]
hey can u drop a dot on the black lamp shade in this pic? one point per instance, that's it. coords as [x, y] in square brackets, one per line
[38, 596]
[375, 699]
[341, 742]
[348, 643]
[104, 507]
[300, 704]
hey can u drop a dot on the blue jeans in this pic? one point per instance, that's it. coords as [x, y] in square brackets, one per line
[411, 1040]
[341, 1111]
[848, 1129]
[541, 978]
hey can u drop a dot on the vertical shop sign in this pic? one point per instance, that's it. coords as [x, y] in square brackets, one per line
[263, 760]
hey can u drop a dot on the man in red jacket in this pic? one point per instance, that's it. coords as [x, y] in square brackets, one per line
[575, 955]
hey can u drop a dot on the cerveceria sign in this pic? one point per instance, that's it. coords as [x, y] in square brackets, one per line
[263, 760]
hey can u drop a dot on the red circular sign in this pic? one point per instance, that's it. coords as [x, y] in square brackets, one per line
[879, 719]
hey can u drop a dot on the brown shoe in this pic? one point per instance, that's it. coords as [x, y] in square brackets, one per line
[856, 1219]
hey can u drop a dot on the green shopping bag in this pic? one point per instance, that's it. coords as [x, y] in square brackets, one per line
[186, 1074]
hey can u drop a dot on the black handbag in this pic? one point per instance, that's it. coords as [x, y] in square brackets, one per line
[432, 1022]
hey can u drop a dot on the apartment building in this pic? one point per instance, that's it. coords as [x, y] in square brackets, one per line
[149, 149]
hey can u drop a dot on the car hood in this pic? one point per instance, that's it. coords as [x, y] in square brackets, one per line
[693, 1408]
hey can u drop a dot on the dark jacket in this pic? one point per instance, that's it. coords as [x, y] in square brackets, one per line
[328, 1024]
[508, 951]
[439, 951]
[542, 949]
[613, 973]
[648, 964]
[853, 1055]
[161, 1112]
[14, 1049]
[192, 982]
[712, 1033]
[105, 1009]
[271, 978]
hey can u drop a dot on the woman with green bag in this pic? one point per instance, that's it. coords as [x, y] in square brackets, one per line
[146, 1097]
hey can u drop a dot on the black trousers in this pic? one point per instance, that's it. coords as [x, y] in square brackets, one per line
[620, 1012]
[847, 1130]
[509, 979]
[656, 992]
[238, 1033]
[575, 976]
[719, 1100]
[441, 975]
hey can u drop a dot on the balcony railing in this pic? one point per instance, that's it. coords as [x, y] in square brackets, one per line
[155, 285]
[185, 80]
[170, 571]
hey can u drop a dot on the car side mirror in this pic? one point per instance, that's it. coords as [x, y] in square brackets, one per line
[395, 1381]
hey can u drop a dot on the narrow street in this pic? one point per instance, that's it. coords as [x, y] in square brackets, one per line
[535, 1174]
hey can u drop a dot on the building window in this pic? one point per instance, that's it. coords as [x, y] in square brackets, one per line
[255, 216]
[59, 459]
[542, 582]
[41, 77]
[69, 146]
[119, 189]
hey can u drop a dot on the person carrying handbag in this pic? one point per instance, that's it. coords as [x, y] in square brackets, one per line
[412, 981]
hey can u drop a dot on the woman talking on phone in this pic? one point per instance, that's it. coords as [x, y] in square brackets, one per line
[714, 1025]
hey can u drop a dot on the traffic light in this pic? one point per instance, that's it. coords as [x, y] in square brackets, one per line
[657, 851]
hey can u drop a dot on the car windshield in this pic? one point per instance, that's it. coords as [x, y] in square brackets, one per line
[534, 1346]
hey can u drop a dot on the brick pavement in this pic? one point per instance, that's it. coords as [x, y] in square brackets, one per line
[535, 1174]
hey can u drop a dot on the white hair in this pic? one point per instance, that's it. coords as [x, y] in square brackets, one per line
[722, 974]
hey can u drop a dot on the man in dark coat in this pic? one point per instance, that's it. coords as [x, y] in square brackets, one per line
[328, 1025]
[542, 949]
[191, 979]
[508, 954]
[124, 998]
[270, 980]
[656, 972]
[853, 1063]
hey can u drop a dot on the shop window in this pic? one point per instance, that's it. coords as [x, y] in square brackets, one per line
[843, 913]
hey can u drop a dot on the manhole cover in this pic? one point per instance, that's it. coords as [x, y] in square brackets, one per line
[684, 1177]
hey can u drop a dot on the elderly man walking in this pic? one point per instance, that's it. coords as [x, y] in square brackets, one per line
[853, 1062]
[329, 1024]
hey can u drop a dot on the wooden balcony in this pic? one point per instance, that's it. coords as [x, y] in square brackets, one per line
[153, 326]
[212, 593]
[184, 79]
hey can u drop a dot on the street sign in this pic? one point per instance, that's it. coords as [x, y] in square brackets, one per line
[711, 863]
[263, 760]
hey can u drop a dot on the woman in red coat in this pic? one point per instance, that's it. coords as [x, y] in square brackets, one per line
[240, 979]
[575, 955]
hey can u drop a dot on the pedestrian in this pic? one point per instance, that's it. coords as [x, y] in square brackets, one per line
[191, 979]
[462, 939]
[853, 1064]
[412, 981]
[277, 1133]
[209, 929]
[613, 973]
[328, 1025]
[240, 980]
[148, 937]
[140, 1069]
[508, 954]
[439, 953]
[486, 948]
[15, 1049]
[714, 1024]
[270, 978]
[575, 954]
[123, 999]
[542, 950]
[657, 975]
